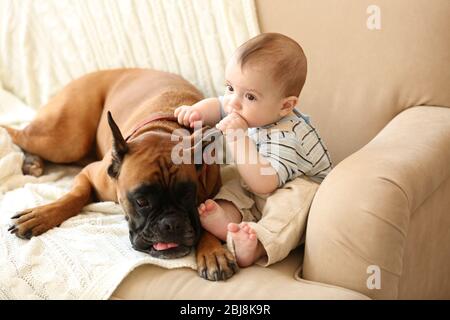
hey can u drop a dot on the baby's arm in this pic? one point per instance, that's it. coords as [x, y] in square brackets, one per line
[259, 175]
[206, 110]
[254, 168]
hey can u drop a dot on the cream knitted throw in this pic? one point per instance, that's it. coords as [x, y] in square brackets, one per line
[85, 258]
[44, 45]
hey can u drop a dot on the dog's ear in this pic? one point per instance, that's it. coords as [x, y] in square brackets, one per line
[200, 139]
[119, 148]
[211, 146]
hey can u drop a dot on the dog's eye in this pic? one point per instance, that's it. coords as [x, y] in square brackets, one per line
[142, 202]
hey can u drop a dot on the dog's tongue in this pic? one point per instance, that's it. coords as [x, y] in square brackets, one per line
[164, 245]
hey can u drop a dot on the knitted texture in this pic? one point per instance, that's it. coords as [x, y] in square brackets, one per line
[85, 258]
[45, 45]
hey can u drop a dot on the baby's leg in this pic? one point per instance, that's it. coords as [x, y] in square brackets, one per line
[248, 248]
[216, 215]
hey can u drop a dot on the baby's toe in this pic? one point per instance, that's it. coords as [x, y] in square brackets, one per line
[245, 227]
[233, 227]
[210, 205]
[201, 209]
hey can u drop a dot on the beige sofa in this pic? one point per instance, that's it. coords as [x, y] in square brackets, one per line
[377, 89]
[380, 98]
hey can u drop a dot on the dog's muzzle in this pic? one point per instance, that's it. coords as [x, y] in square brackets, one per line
[168, 238]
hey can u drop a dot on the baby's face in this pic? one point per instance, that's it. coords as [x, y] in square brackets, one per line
[253, 94]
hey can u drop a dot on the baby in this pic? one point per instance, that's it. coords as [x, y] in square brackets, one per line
[264, 79]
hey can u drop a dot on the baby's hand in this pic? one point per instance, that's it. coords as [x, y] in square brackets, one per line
[233, 121]
[186, 115]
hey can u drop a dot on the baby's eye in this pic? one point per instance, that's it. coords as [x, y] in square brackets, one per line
[250, 97]
[229, 88]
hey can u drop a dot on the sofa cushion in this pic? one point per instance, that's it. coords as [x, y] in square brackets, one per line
[363, 214]
[274, 282]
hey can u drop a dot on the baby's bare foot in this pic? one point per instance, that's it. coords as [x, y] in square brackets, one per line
[247, 247]
[214, 219]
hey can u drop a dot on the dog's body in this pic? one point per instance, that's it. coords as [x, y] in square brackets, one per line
[159, 198]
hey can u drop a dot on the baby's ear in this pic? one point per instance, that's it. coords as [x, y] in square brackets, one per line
[288, 105]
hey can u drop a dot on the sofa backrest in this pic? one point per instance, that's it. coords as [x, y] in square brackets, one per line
[368, 60]
[46, 44]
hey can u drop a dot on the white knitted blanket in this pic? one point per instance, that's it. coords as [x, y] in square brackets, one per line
[85, 258]
[44, 45]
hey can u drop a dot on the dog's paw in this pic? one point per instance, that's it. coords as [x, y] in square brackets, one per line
[32, 165]
[218, 264]
[34, 222]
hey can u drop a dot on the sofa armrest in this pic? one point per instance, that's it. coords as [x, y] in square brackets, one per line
[361, 212]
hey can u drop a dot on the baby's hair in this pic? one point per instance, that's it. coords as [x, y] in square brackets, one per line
[284, 55]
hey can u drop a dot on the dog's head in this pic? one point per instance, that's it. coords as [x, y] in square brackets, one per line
[158, 196]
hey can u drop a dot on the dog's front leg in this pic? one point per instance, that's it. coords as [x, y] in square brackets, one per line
[35, 221]
[214, 262]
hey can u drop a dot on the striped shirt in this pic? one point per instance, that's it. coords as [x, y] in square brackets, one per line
[292, 146]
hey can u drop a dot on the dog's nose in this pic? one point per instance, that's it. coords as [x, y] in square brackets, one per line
[170, 225]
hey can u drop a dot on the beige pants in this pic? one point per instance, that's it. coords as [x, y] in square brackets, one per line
[279, 219]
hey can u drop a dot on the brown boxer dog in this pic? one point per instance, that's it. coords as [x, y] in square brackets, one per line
[159, 198]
